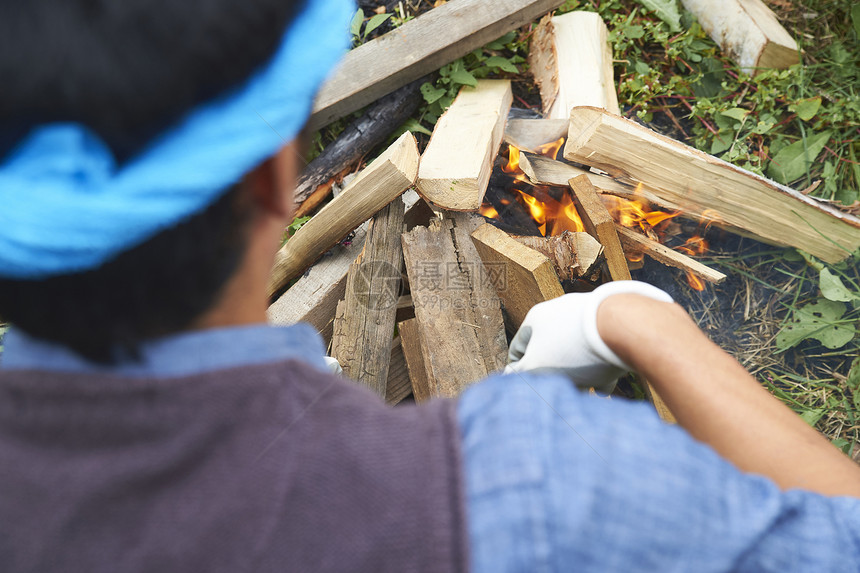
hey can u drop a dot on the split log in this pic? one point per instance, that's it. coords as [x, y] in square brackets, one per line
[747, 31]
[530, 134]
[364, 323]
[573, 255]
[697, 182]
[399, 385]
[376, 186]
[542, 170]
[571, 61]
[527, 278]
[456, 166]
[638, 243]
[357, 140]
[314, 297]
[413, 353]
[600, 225]
[457, 311]
[417, 48]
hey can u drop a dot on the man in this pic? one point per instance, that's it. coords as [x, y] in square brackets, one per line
[151, 421]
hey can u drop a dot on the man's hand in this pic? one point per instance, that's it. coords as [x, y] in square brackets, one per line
[561, 336]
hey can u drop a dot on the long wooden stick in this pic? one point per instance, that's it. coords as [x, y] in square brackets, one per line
[637, 242]
[599, 222]
[379, 184]
[417, 48]
[709, 187]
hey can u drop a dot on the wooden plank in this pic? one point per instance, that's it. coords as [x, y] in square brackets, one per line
[358, 139]
[702, 185]
[573, 255]
[600, 225]
[364, 324]
[571, 61]
[410, 340]
[457, 164]
[530, 134]
[399, 385]
[314, 297]
[747, 31]
[529, 277]
[636, 242]
[417, 48]
[379, 184]
[456, 307]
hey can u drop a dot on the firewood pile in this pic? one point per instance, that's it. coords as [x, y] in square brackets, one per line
[422, 245]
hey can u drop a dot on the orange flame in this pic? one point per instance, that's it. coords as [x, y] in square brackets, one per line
[552, 217]
[695, 282]
[488, 211]
[551, 149]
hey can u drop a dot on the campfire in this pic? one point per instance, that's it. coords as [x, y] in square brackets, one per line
[450, 246]
[554, 211]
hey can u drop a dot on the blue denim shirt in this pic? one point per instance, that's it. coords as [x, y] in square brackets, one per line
[557, 480]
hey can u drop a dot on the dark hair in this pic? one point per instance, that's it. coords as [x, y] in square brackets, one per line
[127, 70]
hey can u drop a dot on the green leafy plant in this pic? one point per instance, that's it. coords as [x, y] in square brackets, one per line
[293, 227]
[360, 31]
[496, 58]
[833, 318]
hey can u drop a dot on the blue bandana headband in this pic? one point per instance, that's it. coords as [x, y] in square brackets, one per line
[66, 206]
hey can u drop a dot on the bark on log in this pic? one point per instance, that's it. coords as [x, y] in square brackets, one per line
[356, 141]
[747, 31]
[571, 61]
[702, 185]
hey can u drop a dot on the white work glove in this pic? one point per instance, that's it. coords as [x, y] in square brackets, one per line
[561, 336]
[333, 365]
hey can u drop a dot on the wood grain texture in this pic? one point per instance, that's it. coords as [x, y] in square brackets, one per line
[364, 324]
[417, 48]
[314, 297]
[457, 311]
[399, 384]
[747, 31]
[529, 276]
[573, 255]
[638, 243]
[600, 225]
[457, 164]
[701, 184]
[376, 186]
[413, 354]
[542, 170]
[571, 61]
